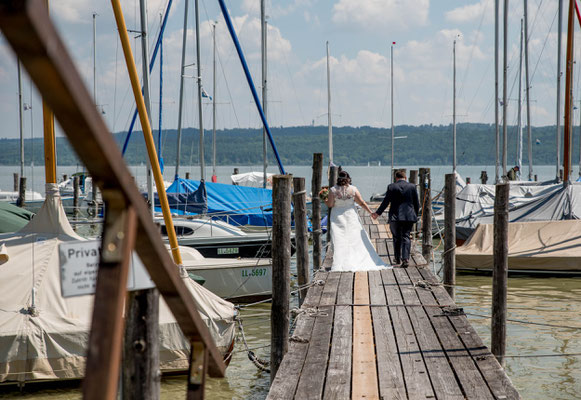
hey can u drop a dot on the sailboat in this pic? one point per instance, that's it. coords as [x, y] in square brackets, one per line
[544, 219]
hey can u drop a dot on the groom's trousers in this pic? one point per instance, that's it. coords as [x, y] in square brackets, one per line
[400, 230]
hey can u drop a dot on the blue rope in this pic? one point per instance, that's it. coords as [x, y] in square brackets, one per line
[250, 82]
[151, 63]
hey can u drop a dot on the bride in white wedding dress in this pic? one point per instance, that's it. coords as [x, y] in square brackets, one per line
[352, 248]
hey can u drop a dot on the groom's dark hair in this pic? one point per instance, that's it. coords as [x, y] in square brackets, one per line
[400, 174]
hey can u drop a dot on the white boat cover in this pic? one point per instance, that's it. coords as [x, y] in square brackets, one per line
[527, 203]
[43, 335]
[533, 246]
[252, 179]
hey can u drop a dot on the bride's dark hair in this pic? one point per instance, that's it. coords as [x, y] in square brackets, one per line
[344, 179]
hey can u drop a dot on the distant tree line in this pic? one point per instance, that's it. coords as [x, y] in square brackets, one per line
[424, 145]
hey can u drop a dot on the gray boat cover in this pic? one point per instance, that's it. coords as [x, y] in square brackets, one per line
[547, 246]
[527, 203]
[46, 338]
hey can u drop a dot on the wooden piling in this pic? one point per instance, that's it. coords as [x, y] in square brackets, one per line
[76, 194]
[301, 235]
[187, 175]
[426, 207]
[561, 175]
[141, 374]
[333, 174]
[316, 206]
[21, 201]
[536, 178]
[413, 176]
[65, 176]
[450, 234]
[500, 272]
[468, 180]
[483, 177]
[16, 181]
[281, 256]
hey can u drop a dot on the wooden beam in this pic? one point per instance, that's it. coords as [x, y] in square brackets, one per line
[106, 337]
[49, 65]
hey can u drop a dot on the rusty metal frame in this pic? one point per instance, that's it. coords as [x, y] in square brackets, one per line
[31, 34]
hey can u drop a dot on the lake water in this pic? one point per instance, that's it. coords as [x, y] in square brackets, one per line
[543, 362]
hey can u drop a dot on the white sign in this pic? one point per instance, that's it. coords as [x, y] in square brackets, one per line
[79, 261]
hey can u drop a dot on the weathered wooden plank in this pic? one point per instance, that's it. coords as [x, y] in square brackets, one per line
[364, 381]
[416, 379]
[373, 231]
[381, 247]
[312, 379]
[338, 382]
[495, 376]
[441, 374]
[471, 381]
[390, 374]
[286, 381]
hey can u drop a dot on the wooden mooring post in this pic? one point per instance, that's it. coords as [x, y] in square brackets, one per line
[76, 194]
[16, 181]
[316, 208]
[414, 176]
[21, 202]
[333, 174]
[187, 175]
[450, 234]
[281, 257]
[141, 374]
[500, 272]
[301, 235]
[483, 177]
[426, 207]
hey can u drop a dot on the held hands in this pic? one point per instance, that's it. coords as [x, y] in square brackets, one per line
[374, 215]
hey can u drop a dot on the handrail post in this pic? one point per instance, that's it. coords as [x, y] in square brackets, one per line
[301, 235]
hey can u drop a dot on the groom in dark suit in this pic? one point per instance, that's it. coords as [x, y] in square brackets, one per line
[403, 214]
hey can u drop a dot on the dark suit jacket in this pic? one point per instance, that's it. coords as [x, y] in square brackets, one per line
[403, 197]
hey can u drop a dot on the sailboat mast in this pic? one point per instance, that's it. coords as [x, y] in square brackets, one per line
[496, 121]
[454, 112]
[559, 74]
[49, 141]
[264, 87]
[527, 88]
[392, 126]
[568, 94]
[214, 178]
[519, 123]
[146, 98]
[199, 77]
[181, 100]
[20, 120]
[95, 58]
[330, 124]
[504, 89]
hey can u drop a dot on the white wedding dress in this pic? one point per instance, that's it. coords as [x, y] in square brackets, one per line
[352, 248]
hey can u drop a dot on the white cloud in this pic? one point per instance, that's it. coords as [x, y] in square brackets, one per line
[381, 14]
[472, 12]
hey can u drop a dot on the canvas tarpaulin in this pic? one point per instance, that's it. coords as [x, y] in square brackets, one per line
[47, 338]
[532, 246]
[527, 203]
[231, 203]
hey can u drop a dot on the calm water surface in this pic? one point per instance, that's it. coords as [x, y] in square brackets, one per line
[543, 362]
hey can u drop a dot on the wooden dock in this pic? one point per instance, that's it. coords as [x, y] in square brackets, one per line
[391, 334]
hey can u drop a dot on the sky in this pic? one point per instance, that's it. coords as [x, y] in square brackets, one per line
[360, 34]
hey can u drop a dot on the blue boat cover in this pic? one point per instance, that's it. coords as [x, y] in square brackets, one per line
[239, 204]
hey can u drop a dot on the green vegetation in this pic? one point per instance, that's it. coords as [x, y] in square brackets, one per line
[424, 145]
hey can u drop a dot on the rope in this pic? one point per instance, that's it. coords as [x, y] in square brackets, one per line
[261, 364]
[519, 321]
